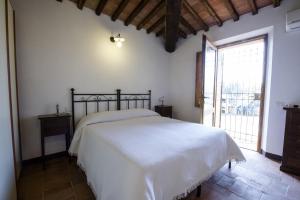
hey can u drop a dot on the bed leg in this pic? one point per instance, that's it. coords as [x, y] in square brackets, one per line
[229, 164]
[199, 191]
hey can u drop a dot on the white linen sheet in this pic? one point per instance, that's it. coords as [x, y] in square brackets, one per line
[150, 157]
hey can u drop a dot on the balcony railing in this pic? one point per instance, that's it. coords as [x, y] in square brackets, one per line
[240, 117]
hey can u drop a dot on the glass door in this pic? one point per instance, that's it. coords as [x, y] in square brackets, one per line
[243, 67]
[207, 97]
[230, 83]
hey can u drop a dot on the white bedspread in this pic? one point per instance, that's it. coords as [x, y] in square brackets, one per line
[150, 158]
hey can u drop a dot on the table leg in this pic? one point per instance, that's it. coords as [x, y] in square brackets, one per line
[199, 191]
[43, 151]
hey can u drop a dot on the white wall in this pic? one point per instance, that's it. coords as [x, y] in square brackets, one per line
[285, 66]
[7, 174]
[60, 46]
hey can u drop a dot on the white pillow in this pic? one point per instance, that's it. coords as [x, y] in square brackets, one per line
[110, 116]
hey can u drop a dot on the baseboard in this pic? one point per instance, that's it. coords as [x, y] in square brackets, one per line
[39, 159]
[272, 156]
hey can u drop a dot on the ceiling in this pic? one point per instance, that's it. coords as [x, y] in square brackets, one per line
[173, 19]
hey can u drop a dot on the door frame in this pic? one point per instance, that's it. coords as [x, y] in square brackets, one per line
[7, 2]
[265, 37]
[202, 78]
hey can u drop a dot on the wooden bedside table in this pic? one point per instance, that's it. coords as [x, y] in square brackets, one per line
[52, 125]
[165, 111]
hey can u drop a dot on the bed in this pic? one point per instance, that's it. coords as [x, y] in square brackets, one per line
[135, 154]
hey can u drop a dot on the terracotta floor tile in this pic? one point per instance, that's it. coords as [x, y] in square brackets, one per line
[252, 193]
[211, 195]
[32, 189]
[272, 197]
[233, 197]
[294, 192]
[83, 191]
[77, 179]
[33, 197]
[239, 188]
[62, 194]
[226, 181]
[57, 185]
[276, 188]
[216, 177]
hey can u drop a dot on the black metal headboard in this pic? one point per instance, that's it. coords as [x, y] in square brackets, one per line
[129, 99]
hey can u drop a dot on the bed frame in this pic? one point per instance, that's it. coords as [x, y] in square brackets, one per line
[131, 100]
[112, 101]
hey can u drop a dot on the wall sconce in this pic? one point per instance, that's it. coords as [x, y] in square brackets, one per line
[118, 40]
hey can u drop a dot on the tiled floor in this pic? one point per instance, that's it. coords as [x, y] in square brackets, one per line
[257, 179]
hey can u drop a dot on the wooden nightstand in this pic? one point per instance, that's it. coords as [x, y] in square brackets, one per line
[52, 125]
[165, 111]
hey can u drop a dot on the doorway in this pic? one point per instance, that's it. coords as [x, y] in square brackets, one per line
[233, 89]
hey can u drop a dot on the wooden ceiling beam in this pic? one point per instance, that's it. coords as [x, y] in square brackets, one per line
[136, 11]
[182, 33]
[100, 7]
[188, 25]
[80, 4]
[212, 12]
[156, 24]
[253, 6]
[160, 32]
[119, 10]
[276, 3]
[172, 24]
[153, 12]
[195, 15]
[230, 7]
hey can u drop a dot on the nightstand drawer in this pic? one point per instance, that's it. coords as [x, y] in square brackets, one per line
[56, 126]
[51, 131]
[165, 111]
